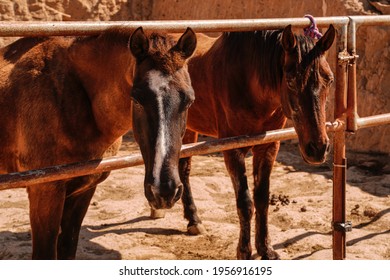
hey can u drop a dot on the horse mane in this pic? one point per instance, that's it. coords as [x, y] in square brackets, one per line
[115, 36]
[17, 49]
[263, 52]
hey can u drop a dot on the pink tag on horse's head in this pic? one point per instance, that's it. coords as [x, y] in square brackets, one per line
[312, 31]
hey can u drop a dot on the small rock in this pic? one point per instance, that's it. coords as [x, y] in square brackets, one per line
[355, 212]
[273, 199]
[303, 209]
[369, 212]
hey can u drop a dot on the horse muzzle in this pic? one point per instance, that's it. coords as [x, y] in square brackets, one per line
[315, 153]
[163, 198]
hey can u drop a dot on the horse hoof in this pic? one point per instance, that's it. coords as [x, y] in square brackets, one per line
[271, 256]
[196, 229]
[157, 213]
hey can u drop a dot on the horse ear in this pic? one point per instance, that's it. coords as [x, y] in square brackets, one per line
[139, 43]
[187, 43]
[326, 41]
[288, 39]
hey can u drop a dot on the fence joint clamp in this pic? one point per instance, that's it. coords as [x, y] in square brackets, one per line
[346, 57]
[343, 227]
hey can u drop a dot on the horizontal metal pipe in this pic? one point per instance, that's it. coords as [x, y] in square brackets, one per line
[62, 172]
[78, 28]
[67, 171]
[373, 121]
[377, 20]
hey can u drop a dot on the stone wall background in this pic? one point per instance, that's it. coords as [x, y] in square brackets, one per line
[373, 42]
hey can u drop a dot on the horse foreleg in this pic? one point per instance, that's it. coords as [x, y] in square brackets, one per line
[79, 194]
[235, 164]
[46, 205]
[194, 226]
[263, 159]
[75, 208]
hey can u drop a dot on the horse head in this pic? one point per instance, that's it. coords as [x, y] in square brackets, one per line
[306, 82]
[161, 94]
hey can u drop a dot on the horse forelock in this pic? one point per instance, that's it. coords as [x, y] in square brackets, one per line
[308, 53]
[309, 58]
[165, 59]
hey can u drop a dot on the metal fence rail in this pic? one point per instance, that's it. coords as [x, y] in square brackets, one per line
[345, 107]
[75, 28]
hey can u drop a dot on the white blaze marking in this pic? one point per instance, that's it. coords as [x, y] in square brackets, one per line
[156, 81]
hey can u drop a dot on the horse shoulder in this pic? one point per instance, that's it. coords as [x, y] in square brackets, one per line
[105, 70]
[50, 122]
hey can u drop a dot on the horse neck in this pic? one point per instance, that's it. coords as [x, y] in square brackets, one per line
[106, 73]
[259, 56]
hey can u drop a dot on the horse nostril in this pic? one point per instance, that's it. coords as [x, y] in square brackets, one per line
[311, 149]
[317, 151]
[163, 197]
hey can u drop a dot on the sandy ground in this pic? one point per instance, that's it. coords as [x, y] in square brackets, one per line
[117, 225]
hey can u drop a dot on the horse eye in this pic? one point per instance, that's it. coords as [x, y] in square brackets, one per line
[137, 96]
[189, 103]
[328, 82]
[186, 103]
[187, 98]
[291, 84]
[136, 102]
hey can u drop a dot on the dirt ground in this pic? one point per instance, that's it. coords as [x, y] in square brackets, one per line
[117, 225]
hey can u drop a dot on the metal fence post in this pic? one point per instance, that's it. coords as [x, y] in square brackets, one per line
[339, 160]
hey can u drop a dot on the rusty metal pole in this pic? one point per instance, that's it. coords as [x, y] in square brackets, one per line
[352, 114]
[339, 160]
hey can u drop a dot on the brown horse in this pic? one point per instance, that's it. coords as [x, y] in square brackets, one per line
[66, 100]
[247, 83]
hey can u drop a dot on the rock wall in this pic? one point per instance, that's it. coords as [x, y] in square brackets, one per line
[373, 42]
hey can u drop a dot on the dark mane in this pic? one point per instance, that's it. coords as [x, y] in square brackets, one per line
[16, 50]
[262, 50]
[116, 35]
